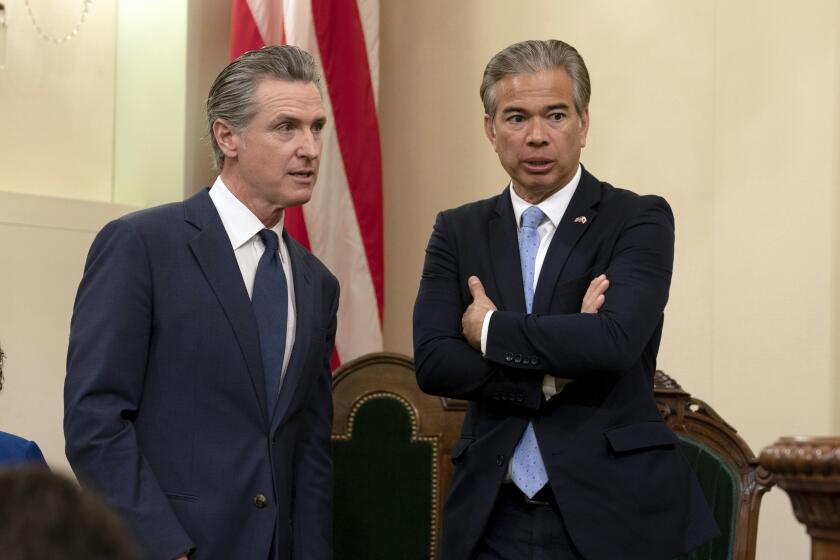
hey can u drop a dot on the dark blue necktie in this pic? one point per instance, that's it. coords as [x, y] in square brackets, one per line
[271, 308]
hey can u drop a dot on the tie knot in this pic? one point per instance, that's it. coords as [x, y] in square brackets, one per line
[532, 217]
[269, 238]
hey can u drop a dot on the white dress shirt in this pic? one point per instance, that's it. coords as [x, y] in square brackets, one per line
[553, 207]
[243, 229]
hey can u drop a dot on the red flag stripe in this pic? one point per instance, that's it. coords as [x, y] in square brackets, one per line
[343, 50]
[245, 35]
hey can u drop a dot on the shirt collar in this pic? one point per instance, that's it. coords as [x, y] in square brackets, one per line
[554, 206]
[240, 223]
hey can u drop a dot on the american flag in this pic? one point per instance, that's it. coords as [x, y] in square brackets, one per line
[342, 224]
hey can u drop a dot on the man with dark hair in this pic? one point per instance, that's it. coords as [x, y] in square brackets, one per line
[45, 516]
[563, 454]
[14, 449]
[197, 398]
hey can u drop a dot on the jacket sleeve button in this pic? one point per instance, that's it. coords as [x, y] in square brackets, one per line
[260, 501]
[517, 359]
[508, 356]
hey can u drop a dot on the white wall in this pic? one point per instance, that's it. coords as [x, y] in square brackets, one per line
[43, 243]
[57, 102]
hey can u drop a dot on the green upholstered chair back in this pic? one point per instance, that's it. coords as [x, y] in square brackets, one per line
[391, 451]
[729, 474]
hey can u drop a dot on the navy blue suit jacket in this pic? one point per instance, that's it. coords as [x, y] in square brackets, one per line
[165, 399]
[622, 487]
[15, 450]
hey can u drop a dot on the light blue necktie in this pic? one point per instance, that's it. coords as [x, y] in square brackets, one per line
[271, 308]
[527, 468]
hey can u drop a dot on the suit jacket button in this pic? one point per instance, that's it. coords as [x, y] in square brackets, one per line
[508, 356]
[260, 501]
[500, 460]
[525, 361]
[517, 359]
[535, 360]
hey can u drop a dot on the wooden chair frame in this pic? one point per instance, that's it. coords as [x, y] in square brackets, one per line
[434, 419]
[691, 417]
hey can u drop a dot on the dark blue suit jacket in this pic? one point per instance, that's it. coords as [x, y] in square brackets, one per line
[623, 488]
[15, 450]
[165, 399]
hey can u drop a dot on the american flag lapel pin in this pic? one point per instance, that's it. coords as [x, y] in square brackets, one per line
[580, 220]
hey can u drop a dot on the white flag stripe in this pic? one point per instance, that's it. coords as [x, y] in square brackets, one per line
[268, 15]
[369, 14]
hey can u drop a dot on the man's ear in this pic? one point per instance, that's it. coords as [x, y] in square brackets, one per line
[490, 130]
[226, 137]
[584, 128]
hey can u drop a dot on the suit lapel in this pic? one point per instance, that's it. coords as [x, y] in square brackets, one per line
[214, 254]
[577, 219]
[504, 255]
[304, 307]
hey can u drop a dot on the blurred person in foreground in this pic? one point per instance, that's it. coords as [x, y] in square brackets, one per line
[16, 450]
[563, 454]
[197, 398]
[45, 516]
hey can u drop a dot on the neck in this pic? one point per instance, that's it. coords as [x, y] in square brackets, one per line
[269, 214]
[533, 198]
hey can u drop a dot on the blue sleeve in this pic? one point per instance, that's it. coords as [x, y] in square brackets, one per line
[33, 453]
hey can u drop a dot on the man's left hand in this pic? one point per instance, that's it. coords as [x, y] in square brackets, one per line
[473, 319]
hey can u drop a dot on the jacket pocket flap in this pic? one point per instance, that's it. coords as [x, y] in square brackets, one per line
[640, 436]
[460, 447]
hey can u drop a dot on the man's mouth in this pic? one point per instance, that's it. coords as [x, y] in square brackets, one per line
[304, 174]
[537, 165]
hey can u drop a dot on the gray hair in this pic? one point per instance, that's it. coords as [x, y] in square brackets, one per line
[536, 56]
[231, 96]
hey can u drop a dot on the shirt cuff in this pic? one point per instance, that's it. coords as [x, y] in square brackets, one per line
[549, 387]
[485, 328]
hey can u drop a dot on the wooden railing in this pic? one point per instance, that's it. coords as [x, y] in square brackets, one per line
[808, 469]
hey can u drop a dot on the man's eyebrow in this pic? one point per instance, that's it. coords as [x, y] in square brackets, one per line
[283, 117]
[513, 109]
[557, 106]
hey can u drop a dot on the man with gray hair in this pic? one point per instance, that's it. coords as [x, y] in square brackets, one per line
[543, 307]
[197, 398]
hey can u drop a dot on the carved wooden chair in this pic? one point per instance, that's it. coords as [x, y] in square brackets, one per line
[392, 459]
[729, 473]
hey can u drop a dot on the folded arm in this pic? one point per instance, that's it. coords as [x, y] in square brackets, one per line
[578, 345]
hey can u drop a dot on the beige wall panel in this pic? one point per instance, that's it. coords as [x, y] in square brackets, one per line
[777, 114]
[57, 101]
[208, 46]
[44, 242]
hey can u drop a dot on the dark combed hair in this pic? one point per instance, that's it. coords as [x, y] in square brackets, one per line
[45, 516]
[536, 56]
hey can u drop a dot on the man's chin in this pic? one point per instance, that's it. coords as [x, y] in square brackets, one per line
[298, 199]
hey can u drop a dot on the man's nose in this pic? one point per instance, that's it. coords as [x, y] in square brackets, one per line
[536, 132]
[310, 145]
